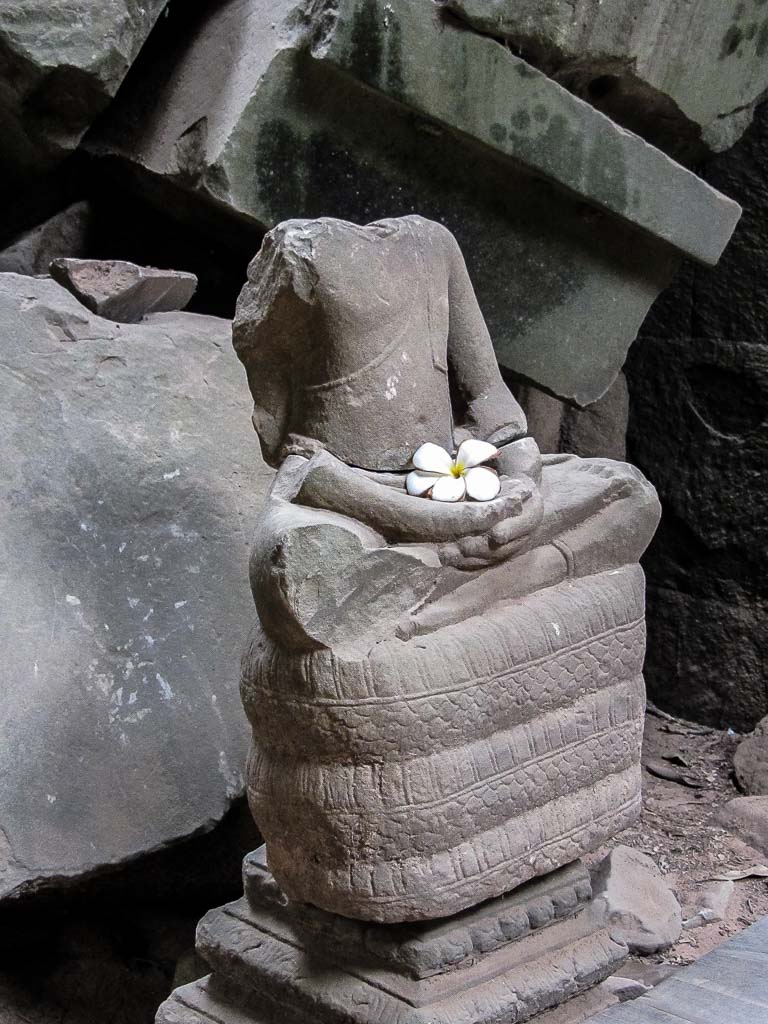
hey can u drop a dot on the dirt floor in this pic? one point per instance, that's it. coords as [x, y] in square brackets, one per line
[677, 829]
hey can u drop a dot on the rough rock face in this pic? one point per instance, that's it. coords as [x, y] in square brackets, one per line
[128, 489]
[698, 379]
[750, 762]
[62, 63]
[64, 234]
[642, 908]
[122, 291]
[747, 816]
[632, 59]
[598, 431]
[358, 109]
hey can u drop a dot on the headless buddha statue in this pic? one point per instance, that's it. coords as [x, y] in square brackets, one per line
[446, 699]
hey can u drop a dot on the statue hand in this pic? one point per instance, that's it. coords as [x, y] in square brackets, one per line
[520, 511]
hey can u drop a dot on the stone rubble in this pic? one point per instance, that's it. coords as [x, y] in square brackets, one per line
[640, 904]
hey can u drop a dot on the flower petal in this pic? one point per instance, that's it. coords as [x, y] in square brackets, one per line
[483, 484]
[418, 483]
[472, 453]
[431, 458]
[448, 488]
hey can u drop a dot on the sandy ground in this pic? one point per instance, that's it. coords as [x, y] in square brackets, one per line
[678, 831]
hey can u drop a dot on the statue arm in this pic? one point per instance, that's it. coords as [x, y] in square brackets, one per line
[492, 413]
[330, 484]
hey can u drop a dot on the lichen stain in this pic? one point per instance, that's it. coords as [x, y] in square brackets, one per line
[498, 132]
[607, 174]
[366, 56]
[520, 120]
[558, 147]
[731, 41]
[279, 183]
[761, 46]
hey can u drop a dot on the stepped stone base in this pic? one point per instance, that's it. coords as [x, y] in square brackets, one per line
[506, 960]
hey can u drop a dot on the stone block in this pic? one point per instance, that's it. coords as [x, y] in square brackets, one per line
[706, 566]
[124, 292]
[750, 762]
[64, 234]
[747, 817]
[125, 536]
[632, 59]
[640, 906]
[267, 966]
[62, 63]
[425, 949]
[359, 109]
[598, 431]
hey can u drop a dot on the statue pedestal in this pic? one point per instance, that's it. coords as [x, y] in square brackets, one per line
[508, 959]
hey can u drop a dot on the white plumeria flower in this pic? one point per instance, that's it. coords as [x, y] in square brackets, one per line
[442, 478]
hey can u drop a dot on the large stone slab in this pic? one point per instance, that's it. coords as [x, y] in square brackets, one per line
[632, 59]
[122, 569]
[363, 109]
[61, 65]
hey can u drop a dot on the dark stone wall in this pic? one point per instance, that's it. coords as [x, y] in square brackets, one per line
[698, 426]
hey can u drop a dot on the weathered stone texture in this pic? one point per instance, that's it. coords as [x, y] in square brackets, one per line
[267, 965]
[687, 76]
[61, 64]
[747, 817]
[359, 111]
[125, 599]
[467, 743]
[640, 906]
[122, 291]
[64, 234]
[750, 762]
[458, 706]
[698, 379]
[598, 431]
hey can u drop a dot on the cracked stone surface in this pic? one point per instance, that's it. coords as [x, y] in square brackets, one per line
[699, 374]
[62, 64]
[363, 109]
[632, 59]
[122, 569]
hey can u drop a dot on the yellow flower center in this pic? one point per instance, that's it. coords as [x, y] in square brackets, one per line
[457, 469]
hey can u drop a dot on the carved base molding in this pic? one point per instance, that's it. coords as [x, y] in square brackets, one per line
[506, 960]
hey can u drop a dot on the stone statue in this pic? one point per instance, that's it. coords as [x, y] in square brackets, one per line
[446, 698]
[446, 695]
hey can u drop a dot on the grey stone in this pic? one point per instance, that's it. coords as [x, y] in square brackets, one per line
[62, 64]
[750, 761]
[263, 968]
[706, 570]
[631, 59]
[626, 989]
[124, 292]
[427, 949]
[728, 984]
[127, 495]
[640, 905]
[598, 431]
[699, 374]
[747, 817]
[711, 905]
[397, 773]
[64, 234]
[364, 108]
